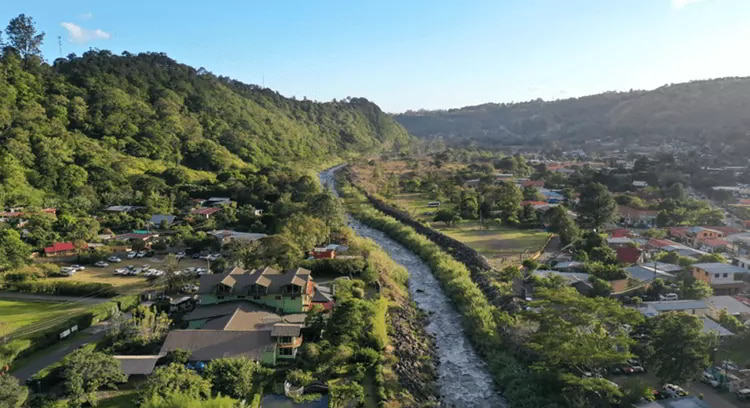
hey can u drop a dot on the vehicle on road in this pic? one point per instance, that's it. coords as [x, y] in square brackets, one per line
[101, 264]
[743, 394]
[674, 391]
[709, 379]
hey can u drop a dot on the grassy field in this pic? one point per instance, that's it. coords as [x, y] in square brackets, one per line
[16, 314]
[500, 245]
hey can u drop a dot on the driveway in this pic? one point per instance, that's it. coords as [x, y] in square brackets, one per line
[50, 298]
[714, 398]
[53, 354]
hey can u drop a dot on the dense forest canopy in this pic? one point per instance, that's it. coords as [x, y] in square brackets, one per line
[711, 112]
[89, 126]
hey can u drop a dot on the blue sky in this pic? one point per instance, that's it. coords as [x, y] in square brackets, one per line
[412, 54]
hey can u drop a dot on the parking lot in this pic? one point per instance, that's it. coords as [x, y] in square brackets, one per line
[129, 284]
[714, 398]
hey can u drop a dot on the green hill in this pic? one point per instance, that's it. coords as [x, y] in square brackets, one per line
[711, 113]
[88, 125]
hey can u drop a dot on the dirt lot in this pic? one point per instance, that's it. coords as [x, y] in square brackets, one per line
[127, 284]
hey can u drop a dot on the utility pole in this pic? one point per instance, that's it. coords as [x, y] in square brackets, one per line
[59, 45]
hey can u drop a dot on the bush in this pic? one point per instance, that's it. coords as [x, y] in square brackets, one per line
[335, 267]
[299, 378]
[67, 288]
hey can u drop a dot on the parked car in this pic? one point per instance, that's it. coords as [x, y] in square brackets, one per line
[77, 267]
[67, 271]
[709, 379]
[114, 259]
[141, 254]
[146, 266]
[669, 296]
[132, 254]
[120, 271]
[101, 264]
[196, 255]
[674, 391]
[190, 288]
[743, 394]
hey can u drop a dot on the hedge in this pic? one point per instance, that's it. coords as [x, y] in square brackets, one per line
[338, 267]
[67, 288]
[482, 321]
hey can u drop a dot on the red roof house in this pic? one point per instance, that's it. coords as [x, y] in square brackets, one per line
[533, 183]
[62, 248]
[529, 202]
[629, 255]
[324, 253]
[620, 233]
[206, 211]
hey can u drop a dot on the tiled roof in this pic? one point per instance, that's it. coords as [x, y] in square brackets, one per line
[628, 255]
[239, 279]
[62, 247]
[206, 210]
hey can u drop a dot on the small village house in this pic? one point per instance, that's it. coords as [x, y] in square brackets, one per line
[724, 279]
[634, 217]
[63, 249]
[205, 212]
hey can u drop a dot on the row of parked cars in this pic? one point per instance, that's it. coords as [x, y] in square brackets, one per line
[143, 270]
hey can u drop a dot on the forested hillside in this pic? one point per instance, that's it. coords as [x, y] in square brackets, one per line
[89, 126]
[713, 113]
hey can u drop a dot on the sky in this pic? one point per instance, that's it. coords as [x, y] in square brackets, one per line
[415, 54]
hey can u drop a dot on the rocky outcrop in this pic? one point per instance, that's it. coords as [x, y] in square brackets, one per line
[417, 363]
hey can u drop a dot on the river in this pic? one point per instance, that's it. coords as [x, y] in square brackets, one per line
[463, 378]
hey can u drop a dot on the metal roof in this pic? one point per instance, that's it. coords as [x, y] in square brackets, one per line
[670, 305]
[716, 267]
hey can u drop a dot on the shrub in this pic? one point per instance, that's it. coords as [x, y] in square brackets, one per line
[67, 288]
[299, 378]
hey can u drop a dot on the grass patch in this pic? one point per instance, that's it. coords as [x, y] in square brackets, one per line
[15, 314]
[119, 399]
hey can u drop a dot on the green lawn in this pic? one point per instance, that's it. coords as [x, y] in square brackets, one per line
[118, 399]
[15, 314]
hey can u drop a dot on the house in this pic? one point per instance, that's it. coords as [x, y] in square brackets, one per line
[205, 212]
[632, 216]
[471, 183]
[227, 236]
[639, 184]
[136, 236]
[620, 242]
[725, 279]
[551, 196]
[620, 233]
[629, 255]
[693, 307]
[137, 365]
[235, 329]
[122, 208]
[697, 235]
[289, 291]
[710, 326]
[742, 262]
[63, 249]
[532, 183]
[577, 280]
[647, 272]
[568, 266]
[729, 303]
[323, 253]
[666, 245]
[214, 201]
[715, 245]
[158, 219]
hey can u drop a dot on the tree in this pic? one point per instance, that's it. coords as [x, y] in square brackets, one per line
[576, 334]
[600, 288]
[692, 288]
[305, 230]
[561, 223]
[730, 322]
[677, 350]
[22, 36]
[146, 326]
[530, 193]
[449, 217]
[507, 198]
[276, 250]
[596, 206]
[178, 400]
[174, 379]
[86, 371]
[13, 251]
[342, 395]
[328, 207]
[235, 377]
[469, 208]
[12, 394]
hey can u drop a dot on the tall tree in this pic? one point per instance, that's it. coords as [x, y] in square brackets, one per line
[678, 350]
[561, 223]
[235, 377]
[305, 230]
[13, 251]
[86, 371]
[12, 394]
[596, 206]
[175, 378]
[22, 36]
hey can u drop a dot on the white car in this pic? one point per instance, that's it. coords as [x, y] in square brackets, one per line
[101, 264]
[77, 267]
[134, 272]
[141, 254]
[191, 269]
[132, 254]
[674, 391]
[709, 379]
[67, 271]
[190, 288]
[114, 259]
[120, 271]
[146, 266]
[179, 255]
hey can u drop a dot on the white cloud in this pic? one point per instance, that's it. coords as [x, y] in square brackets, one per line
[80, 35]
[86, 16]
[678, 4]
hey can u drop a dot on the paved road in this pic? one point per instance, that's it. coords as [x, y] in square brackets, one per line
[50, 298]
[713, 398]
[95, 333]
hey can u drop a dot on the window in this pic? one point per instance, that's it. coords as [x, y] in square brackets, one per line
[241, 296]
[278, 297]
[285, 351]
[256, 297]
[220, 297]
[716, 275]
[724, 275]
[285, 340]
